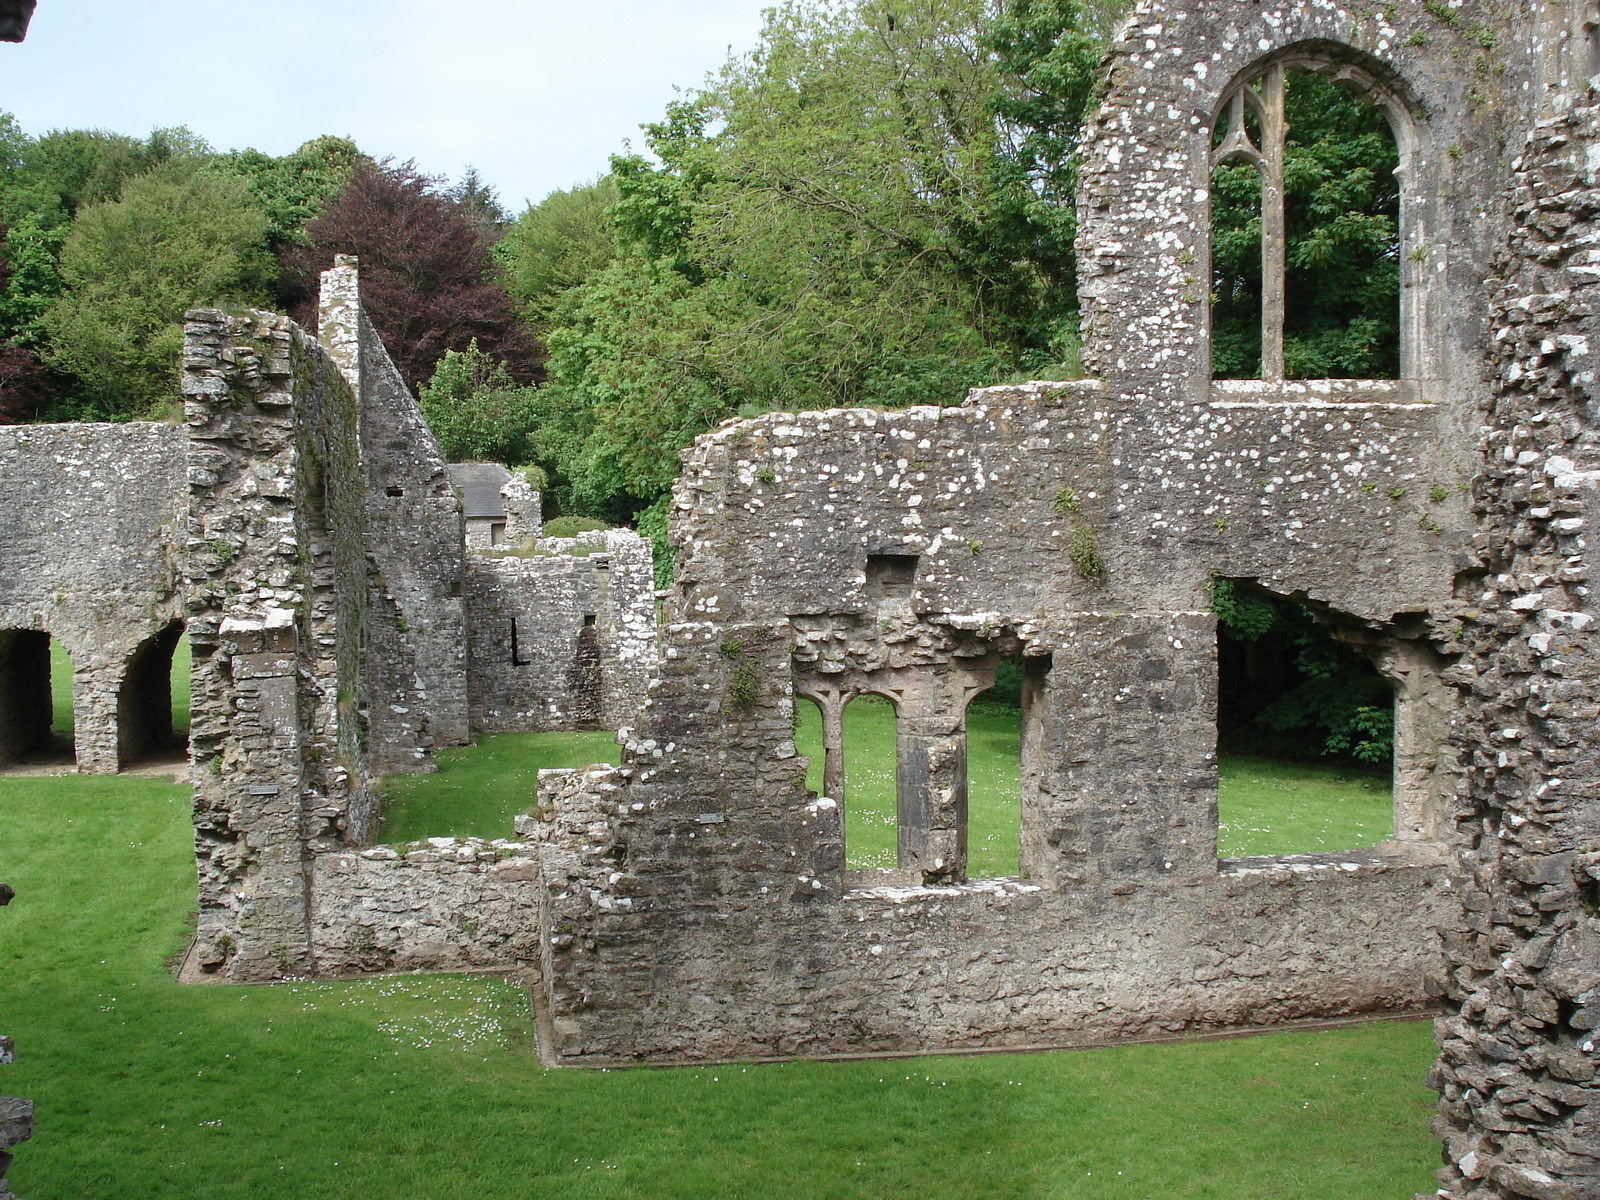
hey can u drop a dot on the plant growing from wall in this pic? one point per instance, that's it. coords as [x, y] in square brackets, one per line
[1085, 555]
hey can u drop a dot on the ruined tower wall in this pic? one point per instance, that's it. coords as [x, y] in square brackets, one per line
[89, 542]
[1520, 1038]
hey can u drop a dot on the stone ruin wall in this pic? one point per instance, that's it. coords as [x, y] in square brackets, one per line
[415, 661]
[1518, 1111]
[1080, 524]
[89, 553]
[277, 593]
[329, 590]
[699, 904]
[563, 636]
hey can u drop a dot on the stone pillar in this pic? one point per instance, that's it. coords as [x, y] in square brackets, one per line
[1425, 770]
[1119, 759]
[273, 927]
[524, 511]
[931, 779]
[830, 700]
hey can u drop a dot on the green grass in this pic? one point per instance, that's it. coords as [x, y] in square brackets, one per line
[1270, 807]
[1265, 806]
[428, 1086]
[479, 789]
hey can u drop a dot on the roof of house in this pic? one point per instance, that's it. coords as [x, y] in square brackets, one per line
[480, 484]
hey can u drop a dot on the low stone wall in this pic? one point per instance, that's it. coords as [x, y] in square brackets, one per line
[700, 913]
[446, 904]
[561, 638]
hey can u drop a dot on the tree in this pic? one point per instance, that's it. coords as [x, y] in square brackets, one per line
[1298, 678]
[557, 244]
[292, 189]
[176, 238]
[427, 272]
[25, 383]
[477, 411]
[813, 235]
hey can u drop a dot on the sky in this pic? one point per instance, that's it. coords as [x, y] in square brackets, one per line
[535, 94]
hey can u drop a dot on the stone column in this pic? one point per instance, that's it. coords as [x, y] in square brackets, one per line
[1425, 770]
[524, 511]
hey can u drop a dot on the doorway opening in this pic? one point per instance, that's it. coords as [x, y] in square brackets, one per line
[153, 703]
[36, 713]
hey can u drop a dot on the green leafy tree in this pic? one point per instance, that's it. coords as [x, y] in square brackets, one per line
[1299, 678]
[293, 188]
[176, 237]
[477, 410]
[817, 227]
[557, 244]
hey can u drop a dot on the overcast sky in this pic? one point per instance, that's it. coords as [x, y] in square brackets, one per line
[534, 93]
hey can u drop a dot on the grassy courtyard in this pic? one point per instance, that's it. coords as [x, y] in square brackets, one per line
[429, 1087]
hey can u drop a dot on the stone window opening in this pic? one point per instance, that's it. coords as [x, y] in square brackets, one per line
[998, 727]
[516, 651]
[152, 713]
[36, 720]
[909, 741]
[1314, 704]
[585, 684]
[868, 795]
[1284, 304]
[394, 492]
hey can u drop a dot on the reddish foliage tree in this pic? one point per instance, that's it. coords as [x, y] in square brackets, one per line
[26, 384]
[426, 270]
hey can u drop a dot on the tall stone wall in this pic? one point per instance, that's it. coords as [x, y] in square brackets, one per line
[89, 537]
[277, 590]
[414, 663]
[563, 636]
[1520, 1039]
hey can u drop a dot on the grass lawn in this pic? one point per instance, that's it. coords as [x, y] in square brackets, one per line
[1269, 807]
[479, 789]
[428, 1087]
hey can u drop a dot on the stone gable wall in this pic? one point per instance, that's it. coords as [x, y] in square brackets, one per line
[414, 664]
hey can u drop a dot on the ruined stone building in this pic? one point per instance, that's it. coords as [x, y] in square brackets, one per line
[302, 530]
[692, 901]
